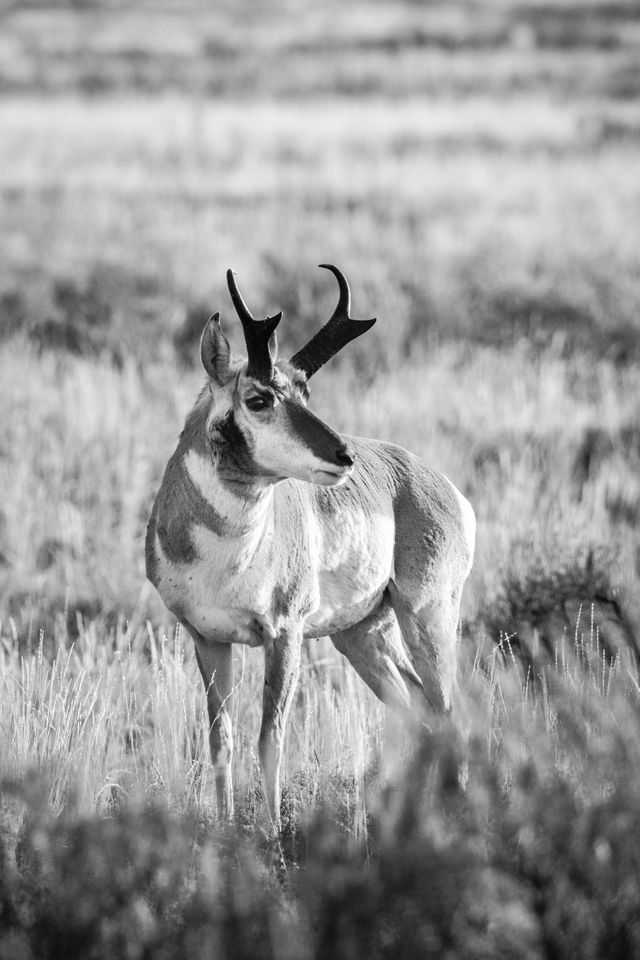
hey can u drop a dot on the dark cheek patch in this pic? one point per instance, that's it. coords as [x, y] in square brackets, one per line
[233, 437]
[236, 460]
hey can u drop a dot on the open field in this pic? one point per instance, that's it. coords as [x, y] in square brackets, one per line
[474, 170]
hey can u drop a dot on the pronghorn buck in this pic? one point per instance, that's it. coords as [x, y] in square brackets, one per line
[270, 528]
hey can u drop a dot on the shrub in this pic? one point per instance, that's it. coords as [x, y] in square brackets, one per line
[142, 884]
[539, 603]
[538, 857]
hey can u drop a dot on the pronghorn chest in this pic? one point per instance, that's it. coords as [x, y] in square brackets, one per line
[224, 592]
[234, 591]
[229, 570]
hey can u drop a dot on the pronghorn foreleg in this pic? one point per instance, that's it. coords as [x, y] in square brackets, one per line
[374, 648]
[215, 661]
[281, 668]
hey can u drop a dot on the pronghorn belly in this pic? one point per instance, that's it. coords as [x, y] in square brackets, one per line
[231, 625]
[332, 616]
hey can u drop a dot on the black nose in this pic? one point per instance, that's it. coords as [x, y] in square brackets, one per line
[345, 456]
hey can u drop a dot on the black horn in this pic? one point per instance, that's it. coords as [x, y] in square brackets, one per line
[259, 335]
[336, 334]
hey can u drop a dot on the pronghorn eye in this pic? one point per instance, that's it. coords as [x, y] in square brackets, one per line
[257, 403]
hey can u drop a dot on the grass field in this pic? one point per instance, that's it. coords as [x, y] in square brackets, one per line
[473, 169]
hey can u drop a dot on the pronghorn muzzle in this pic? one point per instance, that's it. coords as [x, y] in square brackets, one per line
[332, 454]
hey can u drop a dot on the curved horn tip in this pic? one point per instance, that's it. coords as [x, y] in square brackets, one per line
[215, 317]
[231, 278]
[344, 301]
[343, 283]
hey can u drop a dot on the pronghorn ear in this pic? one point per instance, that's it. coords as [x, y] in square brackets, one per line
[215, 351]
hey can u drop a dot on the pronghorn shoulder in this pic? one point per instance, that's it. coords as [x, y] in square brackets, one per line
[421, 494]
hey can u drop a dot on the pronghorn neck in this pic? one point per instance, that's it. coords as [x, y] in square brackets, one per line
[230, 502]
[234, 509]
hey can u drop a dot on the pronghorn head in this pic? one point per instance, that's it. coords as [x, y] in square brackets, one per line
[258, 422]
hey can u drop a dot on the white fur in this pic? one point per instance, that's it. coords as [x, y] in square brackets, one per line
[355, 562]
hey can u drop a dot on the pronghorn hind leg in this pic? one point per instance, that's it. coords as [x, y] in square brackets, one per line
[281, 668]
[215, 661]
[430, 632]
[431, 637]
[375, 650]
